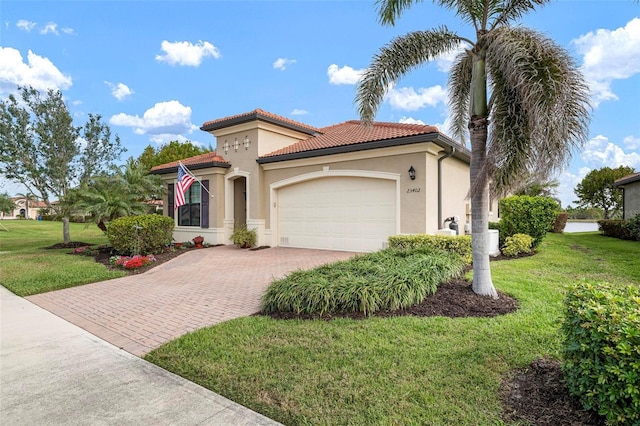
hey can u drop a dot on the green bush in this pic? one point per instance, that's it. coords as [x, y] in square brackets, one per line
[522, 214]
[517, 244]
[460, 245]
[144, 234]
[614, 228]
[560, 223]
[385, 280]
[602, 350]
[243, 237]
[633, 227]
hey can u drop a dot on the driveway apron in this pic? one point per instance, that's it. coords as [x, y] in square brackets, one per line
[139, 313]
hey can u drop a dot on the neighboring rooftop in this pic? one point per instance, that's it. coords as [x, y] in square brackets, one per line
[202, 161]
[260, 115]
[634, 177]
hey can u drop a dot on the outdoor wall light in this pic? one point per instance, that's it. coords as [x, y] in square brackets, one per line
[225, 146]
[246, 143]
[236, 144]
[412, 173]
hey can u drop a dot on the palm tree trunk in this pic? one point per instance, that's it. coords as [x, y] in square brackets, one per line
[482, 283]
[66, 235]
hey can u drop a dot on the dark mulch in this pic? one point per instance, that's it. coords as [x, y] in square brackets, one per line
[538, 395]
[453, 299]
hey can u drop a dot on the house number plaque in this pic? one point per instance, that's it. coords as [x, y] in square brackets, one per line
[410, 190]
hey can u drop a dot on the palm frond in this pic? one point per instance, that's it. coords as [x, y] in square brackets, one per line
[390, 10]
[471, 11]
[506, 11]
[396, 59]
[459, 86]
[540, 104]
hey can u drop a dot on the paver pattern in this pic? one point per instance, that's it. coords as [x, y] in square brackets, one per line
[197, 289]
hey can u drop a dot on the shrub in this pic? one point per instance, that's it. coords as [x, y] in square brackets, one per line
[522, 214]
[243, 237]
[602, 350]
[385, 280]
[560, 223]
[633, 227]
[517, 244]
[460, 245]
[614, 228]
[142, 234]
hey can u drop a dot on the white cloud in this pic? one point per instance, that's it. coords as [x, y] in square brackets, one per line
[445, 61]
[120, 90]
[186, 53]
[76, 102]
[51, 27]
[164, 119]
[344, 75]
[607, 56]
[631, 142]
[568, 181]
[406, 98]
[282, 63]
[38, 72]
[410, 120]
[600, 152]
[165, 138]
[297, 111]
[68, 30]
[25, 25]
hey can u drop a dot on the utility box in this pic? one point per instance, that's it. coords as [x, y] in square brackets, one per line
[446, 232]
[494, 242]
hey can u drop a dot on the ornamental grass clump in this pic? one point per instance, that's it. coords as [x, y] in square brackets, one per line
[389, 279]
[602, 350]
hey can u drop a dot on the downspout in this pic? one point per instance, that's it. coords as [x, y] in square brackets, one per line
[447, 155]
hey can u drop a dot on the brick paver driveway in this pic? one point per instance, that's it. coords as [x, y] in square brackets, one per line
[200, 288]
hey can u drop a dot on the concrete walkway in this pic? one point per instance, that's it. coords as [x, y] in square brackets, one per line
[55, 373]
[139, 313]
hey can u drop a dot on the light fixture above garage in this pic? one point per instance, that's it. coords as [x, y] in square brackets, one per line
[246, 143]
[412, 173]
[236, 144]
[225, 146]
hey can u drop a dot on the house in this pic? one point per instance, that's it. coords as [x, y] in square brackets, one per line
[631, 194]
[341, 187]
[32, 211]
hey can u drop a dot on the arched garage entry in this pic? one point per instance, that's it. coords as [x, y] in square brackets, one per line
[336, 210]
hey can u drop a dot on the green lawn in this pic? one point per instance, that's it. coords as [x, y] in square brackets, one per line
[402, 370]
[26, 268]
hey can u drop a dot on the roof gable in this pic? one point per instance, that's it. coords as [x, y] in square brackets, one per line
[202, 161]
[634, 177]
[260, 115]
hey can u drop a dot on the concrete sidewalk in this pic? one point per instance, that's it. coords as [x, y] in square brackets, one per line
[55, 373]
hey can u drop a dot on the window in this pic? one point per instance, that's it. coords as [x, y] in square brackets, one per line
[189, 213]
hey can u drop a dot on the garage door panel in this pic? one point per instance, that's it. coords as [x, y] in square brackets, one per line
[337, 213]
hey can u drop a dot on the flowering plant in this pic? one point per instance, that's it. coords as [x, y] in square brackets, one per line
[84, 251]
[134, 262]
[198, 240]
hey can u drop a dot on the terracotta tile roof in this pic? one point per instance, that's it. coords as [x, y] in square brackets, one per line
[353, 132]
[206, 159]
[33, 204]
[257, 114]
[634, 177]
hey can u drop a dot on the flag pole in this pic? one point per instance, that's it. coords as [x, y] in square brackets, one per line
[195, 177]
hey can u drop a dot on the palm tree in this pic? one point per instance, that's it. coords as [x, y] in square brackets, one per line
[536, 114]
[28, 196]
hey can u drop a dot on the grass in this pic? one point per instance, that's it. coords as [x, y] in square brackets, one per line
[385, 280]
[29, 269]
[401, 370]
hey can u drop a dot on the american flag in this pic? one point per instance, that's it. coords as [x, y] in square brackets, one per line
[184, 182]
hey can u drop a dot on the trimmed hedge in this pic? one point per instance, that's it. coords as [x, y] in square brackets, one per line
[460, 244]
[602, 350]
[560, 223]
[614, 228]
[388, 279]
[517, 244]
[154, 233]
[522, 214]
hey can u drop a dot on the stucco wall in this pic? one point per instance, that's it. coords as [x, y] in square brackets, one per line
[631, 200]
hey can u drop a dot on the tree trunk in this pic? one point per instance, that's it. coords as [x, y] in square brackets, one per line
[66, 235]
[482, 283]
[102, 226]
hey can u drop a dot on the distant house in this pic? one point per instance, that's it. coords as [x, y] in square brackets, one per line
[21, 210]
[342, 187]
[631, 194]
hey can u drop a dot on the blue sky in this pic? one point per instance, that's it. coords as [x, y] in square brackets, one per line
[157, 70]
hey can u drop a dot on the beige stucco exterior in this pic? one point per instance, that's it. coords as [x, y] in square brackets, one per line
[416, 202]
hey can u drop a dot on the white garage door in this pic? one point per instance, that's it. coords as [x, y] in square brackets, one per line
[337, 213]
